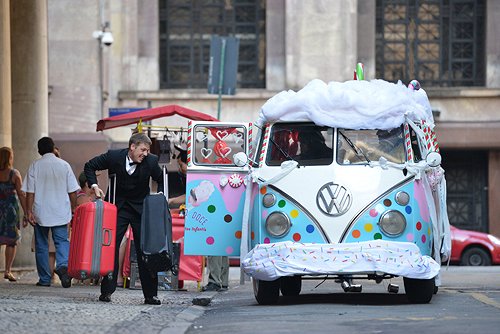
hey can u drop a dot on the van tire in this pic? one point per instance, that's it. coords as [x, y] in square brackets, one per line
[419, 291]
[290, 285]
[266, 292]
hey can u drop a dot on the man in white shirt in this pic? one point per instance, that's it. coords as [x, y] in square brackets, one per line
[50, 187]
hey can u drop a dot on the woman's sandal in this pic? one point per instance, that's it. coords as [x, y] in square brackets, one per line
[10, 277]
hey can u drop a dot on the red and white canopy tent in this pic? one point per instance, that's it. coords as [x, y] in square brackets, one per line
[137, 117]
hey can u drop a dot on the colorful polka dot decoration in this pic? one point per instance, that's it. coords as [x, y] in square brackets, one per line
[210, 240]
[417, 230]
[206, 216]
[303, 229]
[263, 190]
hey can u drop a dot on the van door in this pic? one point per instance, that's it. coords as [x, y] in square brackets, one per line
[215, 189]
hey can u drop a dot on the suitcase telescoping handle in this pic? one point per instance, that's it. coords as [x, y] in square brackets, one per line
[112, 193]
[165, 181]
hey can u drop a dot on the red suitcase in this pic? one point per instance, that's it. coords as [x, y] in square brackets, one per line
[92, 244]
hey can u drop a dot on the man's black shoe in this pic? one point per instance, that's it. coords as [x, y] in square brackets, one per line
[105, 297]
[152, 301]
[42, 284]
[211, 287]
[63, 276]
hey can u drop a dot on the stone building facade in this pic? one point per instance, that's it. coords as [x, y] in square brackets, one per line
[61, 80]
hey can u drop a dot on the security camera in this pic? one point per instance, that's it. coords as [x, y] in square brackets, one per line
[107, 38]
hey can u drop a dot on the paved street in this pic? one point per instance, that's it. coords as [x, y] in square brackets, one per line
[26, 308]
[470, 296]
[468, 302]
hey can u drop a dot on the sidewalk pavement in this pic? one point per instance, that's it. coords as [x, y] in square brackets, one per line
[27, 308]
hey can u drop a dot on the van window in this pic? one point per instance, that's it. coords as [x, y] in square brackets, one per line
[306, 143]
[417, 153]
[216, 145]
[363, 146]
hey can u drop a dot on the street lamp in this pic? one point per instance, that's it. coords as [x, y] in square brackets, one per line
[104, 37]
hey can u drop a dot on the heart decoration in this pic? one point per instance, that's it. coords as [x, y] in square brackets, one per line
[201, 136]
[225, 151]
[238, 137]
[206, 152]
[221, 134]
[223, 181]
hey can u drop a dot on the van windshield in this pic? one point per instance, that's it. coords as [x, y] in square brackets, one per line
[306, 143]
[363, 146]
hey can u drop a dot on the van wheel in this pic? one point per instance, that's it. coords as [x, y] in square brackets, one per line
[266, 292]
[419, 291]
[475, 256]
[290, 285]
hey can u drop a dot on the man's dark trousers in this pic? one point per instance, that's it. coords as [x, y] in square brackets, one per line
[149, 281]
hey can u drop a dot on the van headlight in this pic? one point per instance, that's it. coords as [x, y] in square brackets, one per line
[402, 198]
[268, 200]
[278, 224]
[392, 223]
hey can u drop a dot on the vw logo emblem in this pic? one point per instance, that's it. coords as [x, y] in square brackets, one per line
[333, 199]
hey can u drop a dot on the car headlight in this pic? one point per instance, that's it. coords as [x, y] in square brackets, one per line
[392, 223]
[494, 239]
[278, 224]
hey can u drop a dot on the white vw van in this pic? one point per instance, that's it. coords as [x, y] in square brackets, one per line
[342, 181]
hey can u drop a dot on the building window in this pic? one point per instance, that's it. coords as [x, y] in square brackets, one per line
[185, 31]
[438, 42]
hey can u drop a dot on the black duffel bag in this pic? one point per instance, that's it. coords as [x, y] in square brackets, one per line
[156, 234]
[157, 262]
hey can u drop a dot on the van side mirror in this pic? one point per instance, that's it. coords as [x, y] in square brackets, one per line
[240, 159]
[433, 159]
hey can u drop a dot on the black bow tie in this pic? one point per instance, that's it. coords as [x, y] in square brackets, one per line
[132, 163]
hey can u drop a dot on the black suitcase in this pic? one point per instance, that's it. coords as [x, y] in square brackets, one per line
[156, 233]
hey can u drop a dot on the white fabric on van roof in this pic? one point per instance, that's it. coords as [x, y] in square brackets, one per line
[375, 104]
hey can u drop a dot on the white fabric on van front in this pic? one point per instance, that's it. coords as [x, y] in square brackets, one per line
[268, 262]
[375, 104]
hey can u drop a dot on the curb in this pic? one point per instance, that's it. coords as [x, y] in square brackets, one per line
[186, 317]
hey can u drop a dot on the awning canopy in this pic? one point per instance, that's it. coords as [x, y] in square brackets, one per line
[150, 114]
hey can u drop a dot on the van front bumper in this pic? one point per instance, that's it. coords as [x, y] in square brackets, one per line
[268, 262]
